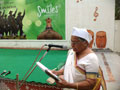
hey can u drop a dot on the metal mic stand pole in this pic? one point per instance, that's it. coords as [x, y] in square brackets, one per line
[17, 82]
[35, 66]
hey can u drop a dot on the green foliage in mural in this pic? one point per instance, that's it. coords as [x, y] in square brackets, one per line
[36, 13]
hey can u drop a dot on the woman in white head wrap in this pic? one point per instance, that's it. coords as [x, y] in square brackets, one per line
[81, 68]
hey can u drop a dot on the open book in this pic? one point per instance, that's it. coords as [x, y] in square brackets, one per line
[47, 71]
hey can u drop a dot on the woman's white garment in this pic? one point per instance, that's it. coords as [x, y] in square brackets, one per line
[89, 64]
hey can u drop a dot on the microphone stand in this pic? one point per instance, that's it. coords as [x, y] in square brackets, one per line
[35, 66]
[17, 82]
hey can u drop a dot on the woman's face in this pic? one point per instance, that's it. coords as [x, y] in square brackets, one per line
[77, 44]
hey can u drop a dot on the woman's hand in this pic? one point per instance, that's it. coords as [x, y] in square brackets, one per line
[60, 72]
[62, 83]
[55, 72]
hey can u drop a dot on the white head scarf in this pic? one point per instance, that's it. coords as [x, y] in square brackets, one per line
[82, 33]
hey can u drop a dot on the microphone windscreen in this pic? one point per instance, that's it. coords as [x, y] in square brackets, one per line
[3, 72]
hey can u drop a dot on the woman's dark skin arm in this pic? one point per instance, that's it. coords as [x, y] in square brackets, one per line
[87, 84]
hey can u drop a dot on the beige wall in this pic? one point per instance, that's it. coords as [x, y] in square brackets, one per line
[79, 15]
[117, 36]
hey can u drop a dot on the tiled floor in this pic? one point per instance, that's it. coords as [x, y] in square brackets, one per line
[110, 64]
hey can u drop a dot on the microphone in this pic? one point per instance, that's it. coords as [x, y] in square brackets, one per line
[7, 73]
[3, 72]
[57, 46]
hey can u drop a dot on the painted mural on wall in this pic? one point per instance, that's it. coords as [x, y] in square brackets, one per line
[92, 41]
[32, 19]
[100, 40]
[49, 33]
[96, 14]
